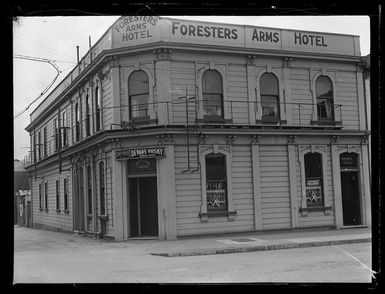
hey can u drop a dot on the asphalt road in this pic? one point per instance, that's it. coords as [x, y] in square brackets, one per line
[49, 257]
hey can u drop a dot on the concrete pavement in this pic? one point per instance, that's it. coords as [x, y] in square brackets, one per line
[260, 241]
[205, 245]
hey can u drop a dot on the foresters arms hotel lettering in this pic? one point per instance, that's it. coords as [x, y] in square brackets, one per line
[135, 27]
[208, 31]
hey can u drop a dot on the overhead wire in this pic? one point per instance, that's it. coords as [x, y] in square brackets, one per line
[45, 47]
[38, 59]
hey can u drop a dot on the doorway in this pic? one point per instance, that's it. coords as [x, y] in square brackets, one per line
[79, 223]
[351, 208]
[143, 207]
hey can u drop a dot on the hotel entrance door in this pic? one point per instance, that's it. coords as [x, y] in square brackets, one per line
[143, 207]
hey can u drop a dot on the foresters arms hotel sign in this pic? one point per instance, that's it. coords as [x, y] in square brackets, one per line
[136, 30]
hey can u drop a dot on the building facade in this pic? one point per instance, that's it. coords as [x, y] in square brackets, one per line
[170, 128]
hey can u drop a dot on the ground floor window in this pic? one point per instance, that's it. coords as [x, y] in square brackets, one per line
[46, 196]
[216, 182]
[102, 189]
[40, 198]
[57, 195]
[313, 179]
[65, 184]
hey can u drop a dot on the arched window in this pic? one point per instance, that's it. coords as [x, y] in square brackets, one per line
[324, 94]
[88, 115]
[216, 182]
[212, 90]
[138, 94]
[77, 122]
[269, 96]
[313, 179]
[97, 109]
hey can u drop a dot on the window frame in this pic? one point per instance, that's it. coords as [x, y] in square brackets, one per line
[318, 97]
[40, 197]
[276, 97]
[88, 107]
[57, 186]
[230, 212]
[39, 144]
[65, 192]
[221, 96]
[130, 97]
[323, 150]
[89, 189]
[98, 106]
[46, 196]
[258, 102]
[45, 153]
[102, 188]
[77, 122]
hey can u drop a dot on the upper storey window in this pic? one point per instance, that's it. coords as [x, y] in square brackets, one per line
[97, 108]
[324, 93]
[212, 90]
[88, 115]
[138, 91]
[77, 122]
[269, 96]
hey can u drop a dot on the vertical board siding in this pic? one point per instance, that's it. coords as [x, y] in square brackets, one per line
[52, 218]
[237, 93]
[107, 103]
[182, 77]
[242, 186]
[275, 195]
[188, 195]
[347, 96]
[300, 93]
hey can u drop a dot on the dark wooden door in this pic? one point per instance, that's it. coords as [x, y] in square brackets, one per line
[350, 198]
[143, 204]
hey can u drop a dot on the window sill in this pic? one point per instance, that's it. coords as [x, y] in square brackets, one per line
[142, 120]
[205, 216]
[326, 122]
[103, 217]
[214, 119]
[305, 210]
[66, 211]
[270, 121]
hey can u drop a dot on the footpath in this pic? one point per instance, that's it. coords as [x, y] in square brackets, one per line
[257, 241]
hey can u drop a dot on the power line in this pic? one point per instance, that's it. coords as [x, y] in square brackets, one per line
[38, 59]
[44, 47]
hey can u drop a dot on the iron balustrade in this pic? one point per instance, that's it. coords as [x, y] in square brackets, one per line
[232, 113]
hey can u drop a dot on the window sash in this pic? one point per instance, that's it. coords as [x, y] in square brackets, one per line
[102, 189]
[270, 106]
[213, 104]
[138, 105]
[46, 195]
[65, 184]
[325, 108]
[57, 194]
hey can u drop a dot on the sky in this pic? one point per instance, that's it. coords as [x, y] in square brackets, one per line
[56, 38]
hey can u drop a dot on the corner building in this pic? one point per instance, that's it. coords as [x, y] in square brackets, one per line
[169, 128]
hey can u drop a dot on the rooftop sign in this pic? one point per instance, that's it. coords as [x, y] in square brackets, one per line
[135, 30]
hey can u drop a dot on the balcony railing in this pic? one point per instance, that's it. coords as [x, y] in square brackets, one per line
[231, 113]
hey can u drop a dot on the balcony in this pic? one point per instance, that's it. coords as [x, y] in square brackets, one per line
[232, 114]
